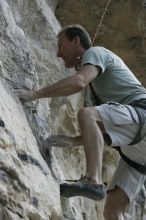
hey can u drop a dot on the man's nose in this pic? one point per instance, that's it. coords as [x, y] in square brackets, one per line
[59, 52]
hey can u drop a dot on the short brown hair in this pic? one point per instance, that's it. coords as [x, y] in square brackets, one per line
[72, 31]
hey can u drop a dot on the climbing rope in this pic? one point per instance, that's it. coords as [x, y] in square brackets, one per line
[100, 23]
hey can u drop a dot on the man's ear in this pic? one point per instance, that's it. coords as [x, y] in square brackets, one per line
[76, 41]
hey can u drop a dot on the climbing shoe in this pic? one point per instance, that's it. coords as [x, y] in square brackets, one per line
[85, 189]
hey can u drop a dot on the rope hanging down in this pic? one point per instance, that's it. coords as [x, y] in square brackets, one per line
[100, 23]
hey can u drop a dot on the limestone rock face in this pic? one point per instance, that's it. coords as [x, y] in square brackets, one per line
[27, 188]
[29, 182]
[30, 177]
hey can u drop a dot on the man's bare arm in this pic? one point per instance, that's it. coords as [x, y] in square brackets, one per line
[68, 86]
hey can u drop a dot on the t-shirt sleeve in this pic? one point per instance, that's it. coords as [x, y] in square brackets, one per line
[95, 56]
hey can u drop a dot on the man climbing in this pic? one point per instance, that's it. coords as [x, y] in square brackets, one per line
[115, 122]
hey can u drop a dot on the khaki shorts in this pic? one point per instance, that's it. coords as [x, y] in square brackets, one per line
[128, 179]
[121, 123]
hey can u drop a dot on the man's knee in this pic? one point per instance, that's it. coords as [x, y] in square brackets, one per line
[88, 113]
[116, 204]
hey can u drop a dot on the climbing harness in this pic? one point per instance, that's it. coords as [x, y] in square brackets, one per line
[139, 106]
[100, 23]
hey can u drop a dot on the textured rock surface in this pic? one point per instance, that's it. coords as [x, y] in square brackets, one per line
[29, 183]
[27, 188]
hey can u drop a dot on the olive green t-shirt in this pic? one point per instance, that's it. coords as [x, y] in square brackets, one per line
[116, 82]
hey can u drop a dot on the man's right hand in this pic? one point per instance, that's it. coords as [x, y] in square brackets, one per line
[26, 95]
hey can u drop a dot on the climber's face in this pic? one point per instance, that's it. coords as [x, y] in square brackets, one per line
[67, 50]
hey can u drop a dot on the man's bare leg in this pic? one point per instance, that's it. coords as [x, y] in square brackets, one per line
[93, 142]
[116, 203]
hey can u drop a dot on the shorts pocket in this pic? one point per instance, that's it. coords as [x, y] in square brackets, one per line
[120, 115]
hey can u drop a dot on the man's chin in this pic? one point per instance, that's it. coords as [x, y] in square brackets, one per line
[67, 65]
